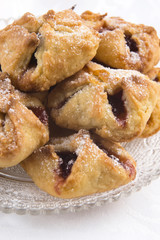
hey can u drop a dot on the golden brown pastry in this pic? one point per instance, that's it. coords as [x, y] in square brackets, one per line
[94, 20]
[23, 124]
[116, 104]
[39, 52]
[153, 124]
[76, 166]
[124, 45]
[42, 96]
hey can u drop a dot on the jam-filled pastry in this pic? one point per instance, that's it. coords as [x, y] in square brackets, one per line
[23, 124]
[153, 124]
[39, 52]
[125, 45]
[116, 104]
[77, 165]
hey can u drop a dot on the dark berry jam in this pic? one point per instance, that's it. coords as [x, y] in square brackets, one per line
[156, 79]
[33, 62]
[118, 107]
[131, 43]
[67, 160]
[41, 114]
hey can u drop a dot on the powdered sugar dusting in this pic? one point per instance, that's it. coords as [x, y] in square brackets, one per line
[134, 57]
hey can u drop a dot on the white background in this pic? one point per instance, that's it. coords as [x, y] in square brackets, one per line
[134, 217]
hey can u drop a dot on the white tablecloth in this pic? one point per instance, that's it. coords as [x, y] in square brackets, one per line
[134, 217]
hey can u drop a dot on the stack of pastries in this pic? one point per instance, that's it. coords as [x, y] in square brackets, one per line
[71, 89]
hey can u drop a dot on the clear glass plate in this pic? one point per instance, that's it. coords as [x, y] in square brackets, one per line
[19, 194]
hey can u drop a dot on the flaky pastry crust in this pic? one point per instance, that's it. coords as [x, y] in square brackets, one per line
[39, 52]
[153, 124]
[116, 104]
[21, 131]
[124, 45]
[77, 165]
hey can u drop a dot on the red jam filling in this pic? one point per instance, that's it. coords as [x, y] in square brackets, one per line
[41, 114]
[118, 107]
[131, 43]
[66, 161]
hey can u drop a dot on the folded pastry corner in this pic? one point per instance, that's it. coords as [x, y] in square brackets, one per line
[153, 123]
[23, 124]
[80, 165]
[96, 64]
[39, 52]
[123, 44]
[114, 103]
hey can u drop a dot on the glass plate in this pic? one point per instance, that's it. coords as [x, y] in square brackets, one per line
[19, 194]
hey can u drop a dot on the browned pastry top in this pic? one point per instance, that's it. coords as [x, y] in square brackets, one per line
[39, 52]
[153, 124]
[78, 165]
[123, 44]
[21, 131]
[115, 103]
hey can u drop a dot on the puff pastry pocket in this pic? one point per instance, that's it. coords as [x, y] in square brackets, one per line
[23, 124]
[116, 104]
[77, 165]
[153, 124]
[124, 45]
[39, 52]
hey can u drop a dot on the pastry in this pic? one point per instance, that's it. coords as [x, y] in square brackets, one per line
[77, 165]
[39, 52]
[94, 20]
[153, 124]
[50, 58]
[23, 124]
[42, 96]
[124, 45]
[116, 104]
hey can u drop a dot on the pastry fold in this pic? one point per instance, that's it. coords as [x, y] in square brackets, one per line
[80, 165]
[23, 124]
[123, 44]
[114, 103]
[153, 124]
[39, 52]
